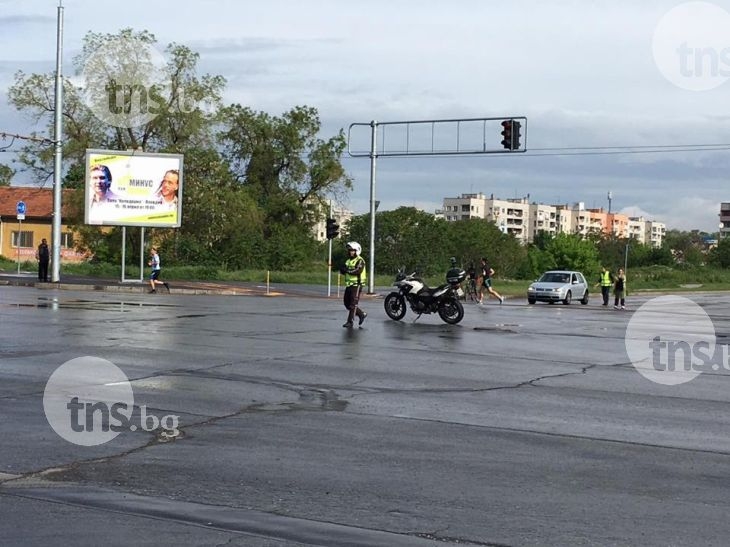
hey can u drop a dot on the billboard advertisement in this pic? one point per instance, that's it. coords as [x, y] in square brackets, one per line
[133, 189]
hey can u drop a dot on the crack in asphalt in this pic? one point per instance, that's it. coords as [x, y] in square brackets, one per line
[436, 536]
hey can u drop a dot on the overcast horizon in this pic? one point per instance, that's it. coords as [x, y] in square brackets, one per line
[585, 74]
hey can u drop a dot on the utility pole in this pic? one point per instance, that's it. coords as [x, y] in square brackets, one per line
[57, 163]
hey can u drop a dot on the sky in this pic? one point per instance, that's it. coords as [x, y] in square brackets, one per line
[584, 73]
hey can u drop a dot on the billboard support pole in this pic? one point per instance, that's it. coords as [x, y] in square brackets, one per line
[141, 254]
[124, 249]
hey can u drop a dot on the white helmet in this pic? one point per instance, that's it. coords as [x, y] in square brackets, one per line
[356, 246]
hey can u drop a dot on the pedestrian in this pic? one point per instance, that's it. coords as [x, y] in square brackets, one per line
[43, 256]
[154, 262]
[619, 289]
[355, 278]
[605, 280]
[486, 272]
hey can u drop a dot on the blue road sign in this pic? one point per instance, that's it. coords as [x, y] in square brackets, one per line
[21, 208]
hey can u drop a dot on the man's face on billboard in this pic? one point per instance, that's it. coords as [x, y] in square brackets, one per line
[169, 186]
[100, 182]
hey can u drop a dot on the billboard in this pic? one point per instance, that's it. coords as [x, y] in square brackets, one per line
[133, 189]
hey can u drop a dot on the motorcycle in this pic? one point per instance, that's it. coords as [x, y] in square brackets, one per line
[444, 300]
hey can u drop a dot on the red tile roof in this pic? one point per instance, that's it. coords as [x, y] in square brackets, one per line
[38, 201]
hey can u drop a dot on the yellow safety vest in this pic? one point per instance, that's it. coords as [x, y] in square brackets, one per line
[350, 279]
[605, 279]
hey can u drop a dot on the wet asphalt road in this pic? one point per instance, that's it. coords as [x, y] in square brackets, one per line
[523, 425]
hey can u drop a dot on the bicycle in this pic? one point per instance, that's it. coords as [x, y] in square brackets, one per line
[471, 290]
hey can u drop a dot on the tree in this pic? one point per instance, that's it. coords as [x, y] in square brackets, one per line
[190, 105]
[253, 183]
[6, 174]
[572, 252]
[721, 253]
[283, 163]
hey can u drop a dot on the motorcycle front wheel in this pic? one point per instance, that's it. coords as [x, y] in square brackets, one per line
[395, 306]
[451, 310]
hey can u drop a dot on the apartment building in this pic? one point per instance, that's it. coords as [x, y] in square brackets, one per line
[524, 220]
[542, 218]
[464, 207]
[724, 220]
[655, 232]
[512, 216]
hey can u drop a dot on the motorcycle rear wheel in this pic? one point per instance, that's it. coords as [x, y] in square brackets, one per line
[395, 306]
[451, 311]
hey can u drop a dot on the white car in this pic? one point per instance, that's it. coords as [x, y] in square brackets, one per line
[559, 286]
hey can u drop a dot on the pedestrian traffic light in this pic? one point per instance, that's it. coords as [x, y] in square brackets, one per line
[333, 229]
[508, 134]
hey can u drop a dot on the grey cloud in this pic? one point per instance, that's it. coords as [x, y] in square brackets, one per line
[13, 20]
[252, 45]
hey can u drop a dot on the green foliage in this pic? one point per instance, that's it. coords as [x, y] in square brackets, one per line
[407, 237]
[253, 183]
[6, 174]
[720, 255]
[572, 252]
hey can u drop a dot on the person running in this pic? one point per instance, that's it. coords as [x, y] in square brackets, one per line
[156, 269]
[486, 273]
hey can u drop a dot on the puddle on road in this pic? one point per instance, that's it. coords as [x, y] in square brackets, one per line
[57, 304]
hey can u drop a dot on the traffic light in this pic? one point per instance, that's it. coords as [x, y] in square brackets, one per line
[333, 229]
[508, 134]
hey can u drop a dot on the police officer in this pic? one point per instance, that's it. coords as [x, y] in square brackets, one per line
[355, 278]
[606, 281]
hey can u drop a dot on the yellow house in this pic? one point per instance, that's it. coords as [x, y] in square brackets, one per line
[20, 239]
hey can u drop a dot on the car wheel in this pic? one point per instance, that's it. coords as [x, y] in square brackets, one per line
[568, 298]
[584, 300]
[531, 300]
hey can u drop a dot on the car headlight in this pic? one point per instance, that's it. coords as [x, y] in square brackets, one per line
[531, 288]
[557, 290]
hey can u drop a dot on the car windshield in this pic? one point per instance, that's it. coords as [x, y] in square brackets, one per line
[555, 277]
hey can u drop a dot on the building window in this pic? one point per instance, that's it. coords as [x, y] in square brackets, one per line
[25, 241]
[67, 240]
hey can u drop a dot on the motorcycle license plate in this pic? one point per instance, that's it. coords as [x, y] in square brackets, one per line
[460, 291]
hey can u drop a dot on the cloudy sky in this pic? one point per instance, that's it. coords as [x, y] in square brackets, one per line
[585, 73]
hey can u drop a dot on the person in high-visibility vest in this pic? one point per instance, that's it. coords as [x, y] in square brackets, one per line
[355, 277]
[605, 280]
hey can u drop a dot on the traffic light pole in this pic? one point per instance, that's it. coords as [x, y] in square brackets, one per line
[461, 145]
[329, 259]
[373, 156]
